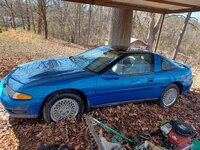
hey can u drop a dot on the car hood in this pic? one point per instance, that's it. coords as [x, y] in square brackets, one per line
[40, 69]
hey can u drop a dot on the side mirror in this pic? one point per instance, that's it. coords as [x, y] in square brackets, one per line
[110, 75]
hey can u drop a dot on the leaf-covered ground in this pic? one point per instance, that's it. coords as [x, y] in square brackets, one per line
[18, 47]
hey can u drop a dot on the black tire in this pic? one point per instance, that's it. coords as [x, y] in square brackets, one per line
[55, 98]
[161, 100]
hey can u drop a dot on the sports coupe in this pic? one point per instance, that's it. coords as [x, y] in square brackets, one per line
[60, 87]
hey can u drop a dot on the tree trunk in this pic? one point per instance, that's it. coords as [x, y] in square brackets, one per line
[45, 27]
[39, 25]
[76, 23]
[121, 29]
[27, 16]
[23, 22]
[13, 20]
[44, 16]
[79, 22]
[33, 22]
[153, 29]
[39, 17]
[12, 14]
[89, 23]
[178, 43]
[32, 17]
[20, 7]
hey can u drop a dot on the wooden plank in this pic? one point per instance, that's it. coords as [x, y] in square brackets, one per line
[172, 3]
[182, 10]
[146, 3]
[190, 2]
[101, 1]
[133, 7]
[123, 5]
[81, 1]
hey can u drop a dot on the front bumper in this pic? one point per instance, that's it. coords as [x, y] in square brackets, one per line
[19, 108]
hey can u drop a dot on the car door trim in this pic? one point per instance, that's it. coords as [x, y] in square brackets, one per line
[125, 102]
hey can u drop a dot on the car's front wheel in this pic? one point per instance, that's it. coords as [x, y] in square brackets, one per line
[61, 106]
[169, 96]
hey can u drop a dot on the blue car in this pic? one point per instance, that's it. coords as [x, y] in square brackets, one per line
[60, 87]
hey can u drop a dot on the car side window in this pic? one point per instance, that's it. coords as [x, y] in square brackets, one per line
[134, 64]
[166, 65]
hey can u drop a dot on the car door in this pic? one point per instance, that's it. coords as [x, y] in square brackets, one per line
[129, 79]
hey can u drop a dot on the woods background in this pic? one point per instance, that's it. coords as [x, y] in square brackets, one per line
[90, 25]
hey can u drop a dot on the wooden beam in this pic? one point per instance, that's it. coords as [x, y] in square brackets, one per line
[182, 10]
[120, 5]
[81, 1]
[133, 7]
[171, 3]
[97, 2]
[110, 3]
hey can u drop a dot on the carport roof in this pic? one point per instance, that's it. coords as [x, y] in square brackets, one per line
[156, 6]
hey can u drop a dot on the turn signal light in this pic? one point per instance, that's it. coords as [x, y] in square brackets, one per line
[21, 96]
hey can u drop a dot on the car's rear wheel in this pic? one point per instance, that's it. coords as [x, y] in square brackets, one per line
[61, 106]
[169, 96]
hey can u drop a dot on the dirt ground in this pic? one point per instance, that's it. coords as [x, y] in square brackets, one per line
[17, 47]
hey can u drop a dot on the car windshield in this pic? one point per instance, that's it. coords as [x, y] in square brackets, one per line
[96, 59]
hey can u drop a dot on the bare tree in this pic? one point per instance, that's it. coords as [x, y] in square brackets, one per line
[179, 40]
[39, 23]
[32, 16]
[19, 6]
[8, 6]
[42, 11]
[153, 29]
[89, 22]
[27, 16]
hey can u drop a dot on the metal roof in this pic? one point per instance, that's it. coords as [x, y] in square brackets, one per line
[156, 6]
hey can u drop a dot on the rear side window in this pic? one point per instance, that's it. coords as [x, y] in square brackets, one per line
[134, 64]
[167, 65]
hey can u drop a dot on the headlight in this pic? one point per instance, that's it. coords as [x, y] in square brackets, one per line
[16, 95]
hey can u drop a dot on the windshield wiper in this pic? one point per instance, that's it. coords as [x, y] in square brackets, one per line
[71, 57]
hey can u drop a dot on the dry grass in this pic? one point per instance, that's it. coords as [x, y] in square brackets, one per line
[30, 45]
[196, 79]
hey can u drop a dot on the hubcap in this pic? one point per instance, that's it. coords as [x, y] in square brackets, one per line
[170, 96]
[64, 108]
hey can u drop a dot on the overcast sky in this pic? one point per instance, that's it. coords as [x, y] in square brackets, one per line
[196, 15]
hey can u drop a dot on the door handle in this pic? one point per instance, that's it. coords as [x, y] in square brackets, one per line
[150, 79]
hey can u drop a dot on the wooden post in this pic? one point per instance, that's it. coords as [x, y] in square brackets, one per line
[178, 43]
[121, 29]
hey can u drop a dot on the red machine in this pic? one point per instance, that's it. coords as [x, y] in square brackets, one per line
[178, 135]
